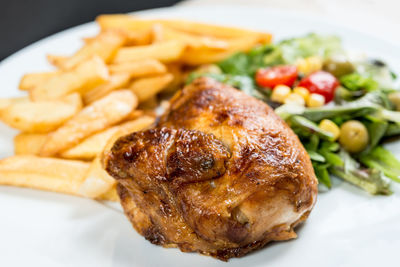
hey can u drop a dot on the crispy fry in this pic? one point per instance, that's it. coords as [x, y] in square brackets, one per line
[31, 80]
[134, 125]
[28, 143]
[145, 88]
[212, 30]
[176, 70]
[139, 68]
[195, 41]
[99, 115]
[138, 33]
[157, 33]
[6, 102]
[42, 116]
[137, 113]
[110, 195]
[58, 175]
[84, 77]
[116, 81]
[56, 60]
[104, 45]
[164, 51]
[89, 148]
[132, 23]
[97, 181]
[121, 21]
[94, 145]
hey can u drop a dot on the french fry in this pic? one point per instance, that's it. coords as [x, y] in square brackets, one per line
[135, 125]
[145, 88]
[157, 33]
[204, 29]
[31, 80]
[57, 175]
[97, 181]
[110, 195]
[131, 23]
[164, 51]
[84, 77]
[96, 117]
[42, 116]
[28, 143]
[176, 70]
[104, 45]
[115, 82]
[137, 113]
[139, 68]
[6, 102]
[201, 55]
[121, 21]
[94, 145]
[56, 60]
[89, 148]
[195, 41]
[138, 33]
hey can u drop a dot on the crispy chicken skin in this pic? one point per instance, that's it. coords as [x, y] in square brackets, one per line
[220, 174]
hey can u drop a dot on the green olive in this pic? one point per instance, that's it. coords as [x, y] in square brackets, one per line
[395, 99]
[338, 66]
[353, 136]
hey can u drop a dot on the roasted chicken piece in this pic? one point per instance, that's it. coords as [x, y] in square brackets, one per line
[220, 174]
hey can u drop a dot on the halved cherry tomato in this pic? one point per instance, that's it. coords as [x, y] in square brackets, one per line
[271, 77]
[321, 82]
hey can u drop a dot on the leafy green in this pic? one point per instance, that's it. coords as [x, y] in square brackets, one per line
[314, 156]
[355, 82]
[383, 160]
[303, 126]
[284, 52]
[371, 180]
[393, 129]
[321, 171]
[376, 131]
[248, 63]
[368, 104]
[310, 45]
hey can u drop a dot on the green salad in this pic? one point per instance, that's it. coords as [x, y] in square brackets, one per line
[342, 109]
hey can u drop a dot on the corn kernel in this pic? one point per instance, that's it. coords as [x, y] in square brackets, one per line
[331, 127]
[309, 64]
[280, 93]
[302, 91]
[315, 100]
[296, 99]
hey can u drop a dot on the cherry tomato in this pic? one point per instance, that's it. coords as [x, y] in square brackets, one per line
[271, 77]
[321, 82]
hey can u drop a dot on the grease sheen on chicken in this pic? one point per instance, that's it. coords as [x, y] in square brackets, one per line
[219, 174]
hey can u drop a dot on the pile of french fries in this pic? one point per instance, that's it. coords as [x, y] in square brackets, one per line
[107, 89]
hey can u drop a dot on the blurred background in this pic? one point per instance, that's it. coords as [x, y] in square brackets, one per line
[23, 22]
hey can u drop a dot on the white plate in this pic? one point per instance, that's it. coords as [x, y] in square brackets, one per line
[346, 228]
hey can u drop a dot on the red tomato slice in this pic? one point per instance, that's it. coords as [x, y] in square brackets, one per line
[271, 77]
[321, 82]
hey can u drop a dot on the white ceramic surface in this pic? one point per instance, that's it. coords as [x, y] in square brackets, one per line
[347, 227]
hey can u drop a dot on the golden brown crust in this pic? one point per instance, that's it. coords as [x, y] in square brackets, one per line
[221, 174]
